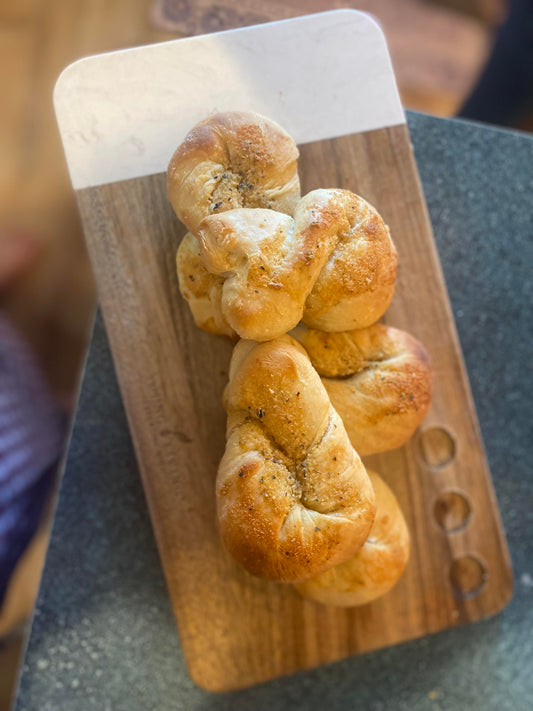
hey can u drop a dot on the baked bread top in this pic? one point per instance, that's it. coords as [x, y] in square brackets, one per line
[233, 159]
[379, 380]
[293, 497]
[333, 265]
[377, 565]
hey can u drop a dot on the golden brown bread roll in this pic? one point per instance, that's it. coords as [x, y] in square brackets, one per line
[293, 497]
[356, 284]
[201, 289]
[233, 159]
[379, 380]
[377, 565]
[333, 265]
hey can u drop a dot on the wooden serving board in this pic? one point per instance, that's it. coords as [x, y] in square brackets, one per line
[237, 630]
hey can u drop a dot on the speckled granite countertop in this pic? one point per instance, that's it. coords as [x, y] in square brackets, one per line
[103, 636]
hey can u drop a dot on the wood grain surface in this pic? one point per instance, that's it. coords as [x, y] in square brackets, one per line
[237, 630]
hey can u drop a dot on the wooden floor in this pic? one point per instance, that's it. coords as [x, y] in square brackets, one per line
[436, 51]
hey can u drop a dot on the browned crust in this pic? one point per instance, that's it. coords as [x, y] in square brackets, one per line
[343, 271]
[333, 265]
[293, 497]
[233, 159]
[379, 380]
[356, 285]
[378, 564]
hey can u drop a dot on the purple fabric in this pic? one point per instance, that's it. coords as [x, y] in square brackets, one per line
[32, 432]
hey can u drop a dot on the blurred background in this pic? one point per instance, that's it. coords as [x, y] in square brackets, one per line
[472, 58]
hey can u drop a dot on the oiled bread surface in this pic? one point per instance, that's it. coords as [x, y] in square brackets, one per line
[293, 497]
[378, 564]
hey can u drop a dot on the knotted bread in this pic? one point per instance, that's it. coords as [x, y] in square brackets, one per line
[379, 380]
[233, 159]
[377, 565]
[333, 265]
[293, 497]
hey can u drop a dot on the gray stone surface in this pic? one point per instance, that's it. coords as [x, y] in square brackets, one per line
[103, 635]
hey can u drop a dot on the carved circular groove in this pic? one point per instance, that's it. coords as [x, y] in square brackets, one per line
[437, 447]
[468, 576]
[452, 511]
